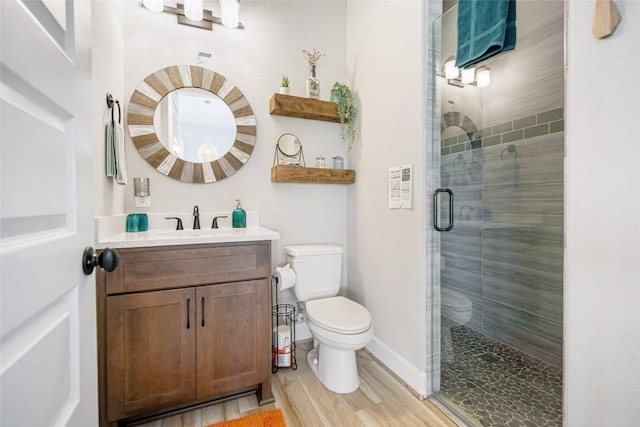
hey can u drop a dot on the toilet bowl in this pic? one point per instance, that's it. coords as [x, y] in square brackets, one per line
[338, 325]
[339, 328]
[455, 309]
[455, 306]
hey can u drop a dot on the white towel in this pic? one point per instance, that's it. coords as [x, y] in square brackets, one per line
[110, 153]
[118, 140]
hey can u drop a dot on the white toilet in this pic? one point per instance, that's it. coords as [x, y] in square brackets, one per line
[339, 326]
[455, 306]
[455, 309]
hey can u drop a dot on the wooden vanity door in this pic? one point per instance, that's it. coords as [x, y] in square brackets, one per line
[233, 336]
[151, 351]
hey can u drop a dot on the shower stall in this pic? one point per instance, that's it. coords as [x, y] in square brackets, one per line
[497, 165]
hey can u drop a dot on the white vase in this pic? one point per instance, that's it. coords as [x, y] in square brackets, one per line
[284, 90]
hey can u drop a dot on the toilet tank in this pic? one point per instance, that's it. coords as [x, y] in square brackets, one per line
[318, 269]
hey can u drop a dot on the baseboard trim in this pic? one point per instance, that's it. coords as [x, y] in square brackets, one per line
[401, 367]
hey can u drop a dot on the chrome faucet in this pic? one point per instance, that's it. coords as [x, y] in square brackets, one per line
[196, 218]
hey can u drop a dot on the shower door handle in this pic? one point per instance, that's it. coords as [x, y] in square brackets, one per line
[436, 209]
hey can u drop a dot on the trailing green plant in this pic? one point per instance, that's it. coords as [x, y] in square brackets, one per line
[285, 81]
[343, 97]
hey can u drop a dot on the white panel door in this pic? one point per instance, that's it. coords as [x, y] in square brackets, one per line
[48, 371]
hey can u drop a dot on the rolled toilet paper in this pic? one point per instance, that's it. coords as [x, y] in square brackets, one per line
[282, 337]
[285, 277]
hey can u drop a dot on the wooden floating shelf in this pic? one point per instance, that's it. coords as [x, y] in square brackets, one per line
[312, 175]
[304, 108]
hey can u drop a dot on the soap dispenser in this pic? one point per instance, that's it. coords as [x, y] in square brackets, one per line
[239, 216]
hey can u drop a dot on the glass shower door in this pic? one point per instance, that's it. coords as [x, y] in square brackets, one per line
[497, 272]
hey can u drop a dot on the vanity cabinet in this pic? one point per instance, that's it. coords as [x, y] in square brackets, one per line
[183, 325]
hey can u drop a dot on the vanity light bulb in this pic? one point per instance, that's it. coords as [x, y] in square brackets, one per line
[484, 77]
[468, 75]
[450, 70]
[153, 5]
[193, 9]
[229, 13]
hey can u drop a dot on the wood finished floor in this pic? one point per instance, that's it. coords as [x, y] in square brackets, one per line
[379, 401]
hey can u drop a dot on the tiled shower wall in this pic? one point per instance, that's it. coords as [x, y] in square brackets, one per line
[502, 155]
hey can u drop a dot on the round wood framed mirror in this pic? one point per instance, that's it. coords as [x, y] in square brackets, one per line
[191, 124]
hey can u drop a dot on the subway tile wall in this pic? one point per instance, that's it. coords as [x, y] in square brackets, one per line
[544, 123]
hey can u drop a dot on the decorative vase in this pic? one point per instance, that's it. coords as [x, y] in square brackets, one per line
[313, 85]
[285, 91]
[334, 96]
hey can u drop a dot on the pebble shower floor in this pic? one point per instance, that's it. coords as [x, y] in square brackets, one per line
[491, 384]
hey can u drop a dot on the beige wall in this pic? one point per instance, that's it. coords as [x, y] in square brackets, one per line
[254, 59]
[602, 221]
[387, 249]
[107, 65]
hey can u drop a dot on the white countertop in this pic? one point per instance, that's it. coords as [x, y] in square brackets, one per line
[186, 237]
[110, 232]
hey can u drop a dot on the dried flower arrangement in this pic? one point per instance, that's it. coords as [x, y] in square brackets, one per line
[313, 57]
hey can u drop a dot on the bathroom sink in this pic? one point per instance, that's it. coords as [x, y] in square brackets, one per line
[207, 232]
[162, 237]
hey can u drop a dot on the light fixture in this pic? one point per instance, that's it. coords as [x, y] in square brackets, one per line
[193, 9]
[153, 5]
[468, 75]
[192, 13]
[483, 76]
[229, 13]
[480, 76]
[450, 70]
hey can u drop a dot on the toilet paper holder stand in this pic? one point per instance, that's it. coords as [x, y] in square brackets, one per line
[283, 341]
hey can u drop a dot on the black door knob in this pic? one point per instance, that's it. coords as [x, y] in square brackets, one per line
[107, 260]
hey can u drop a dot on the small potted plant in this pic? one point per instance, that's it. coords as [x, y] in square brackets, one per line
[284, 85]
[343, 97]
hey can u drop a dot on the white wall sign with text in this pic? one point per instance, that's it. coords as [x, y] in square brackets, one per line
[400, 187]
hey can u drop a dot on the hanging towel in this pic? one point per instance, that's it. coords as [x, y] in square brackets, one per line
[110, 152]
[485, 28]
[118, 140]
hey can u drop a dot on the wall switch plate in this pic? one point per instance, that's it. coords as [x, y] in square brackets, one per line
[143, 202]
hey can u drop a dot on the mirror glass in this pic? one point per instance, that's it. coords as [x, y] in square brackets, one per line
[289, 144]
[195, 125]
[288, 151]
[452, 131]
[191, 124]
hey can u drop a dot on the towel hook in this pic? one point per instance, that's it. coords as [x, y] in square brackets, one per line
[119, 112]
[110, 102]
[511, 149]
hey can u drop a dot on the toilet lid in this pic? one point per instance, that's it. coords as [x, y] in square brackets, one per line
[339, 314]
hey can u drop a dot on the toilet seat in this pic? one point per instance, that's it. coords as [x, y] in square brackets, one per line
[339, 314]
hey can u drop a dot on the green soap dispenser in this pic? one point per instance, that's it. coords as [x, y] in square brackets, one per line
[239, 216]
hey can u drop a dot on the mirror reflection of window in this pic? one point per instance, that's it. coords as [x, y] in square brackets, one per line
[199, 124]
